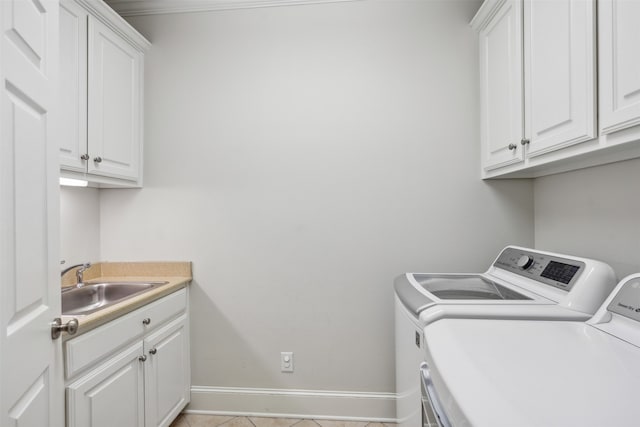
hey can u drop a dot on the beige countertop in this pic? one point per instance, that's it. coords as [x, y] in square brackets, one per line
[177, 274]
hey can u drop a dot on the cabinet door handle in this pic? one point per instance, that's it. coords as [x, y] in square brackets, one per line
[85, 156]
[512, 146]
[97, 159]
[142, 358]
[524, 142]
[146, 321]
[153, 350]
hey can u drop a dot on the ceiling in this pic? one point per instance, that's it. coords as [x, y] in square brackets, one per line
[154, 7]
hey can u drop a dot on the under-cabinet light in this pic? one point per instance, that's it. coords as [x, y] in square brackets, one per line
[70, 182]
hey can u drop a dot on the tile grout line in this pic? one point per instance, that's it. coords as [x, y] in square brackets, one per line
[315, 422]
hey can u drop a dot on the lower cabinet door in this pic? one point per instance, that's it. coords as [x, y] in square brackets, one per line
[167, 372]
[111, 395]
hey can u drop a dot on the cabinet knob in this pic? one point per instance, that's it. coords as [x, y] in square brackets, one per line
[85, 156]
[142, 358]
[146, 321]
[524, 142]
[512, 146]
[97, 159]
[153, 351]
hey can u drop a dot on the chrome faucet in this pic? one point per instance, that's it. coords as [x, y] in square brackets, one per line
[79, 272]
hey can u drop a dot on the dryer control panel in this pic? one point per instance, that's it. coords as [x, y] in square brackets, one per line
[627, 300]
[551, 270]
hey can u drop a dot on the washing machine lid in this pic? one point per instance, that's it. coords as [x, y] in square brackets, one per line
[419, 291]
[465, 287]
[532, 373]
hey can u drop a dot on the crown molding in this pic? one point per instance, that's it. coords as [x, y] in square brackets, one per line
[158, 7]
[111, 19]
[487, 11]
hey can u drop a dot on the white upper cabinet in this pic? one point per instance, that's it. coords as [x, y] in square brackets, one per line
[553, 44]
[73, 85]
[559, 74]
[501, 87]
[101, 95]
[619, 64]
[114, 103]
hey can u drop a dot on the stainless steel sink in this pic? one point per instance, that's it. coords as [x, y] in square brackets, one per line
[92, 297]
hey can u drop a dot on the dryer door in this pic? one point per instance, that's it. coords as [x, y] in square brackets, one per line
[432, 413]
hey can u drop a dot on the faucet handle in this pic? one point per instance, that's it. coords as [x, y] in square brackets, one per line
[80, 273]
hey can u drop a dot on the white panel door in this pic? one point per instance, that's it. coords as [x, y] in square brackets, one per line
[31, 388]
[114, 104]
[560, 85]
[501, 87]
[619, 62]
[167, 373]
[110, 396]
[73, 86]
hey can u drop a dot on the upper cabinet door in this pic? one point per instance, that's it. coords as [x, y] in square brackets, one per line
[619, 64]
[560, 84]
[73, 86]
[115, 76]
[501, 86]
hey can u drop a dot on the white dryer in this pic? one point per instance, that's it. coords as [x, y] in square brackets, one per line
[521, 283]
[528, 374]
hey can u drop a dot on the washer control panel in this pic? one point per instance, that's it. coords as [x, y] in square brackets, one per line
[551, 270]
[627, 300]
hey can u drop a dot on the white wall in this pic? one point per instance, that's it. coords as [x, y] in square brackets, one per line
[592, 212]
[302, 157]
[79, 225]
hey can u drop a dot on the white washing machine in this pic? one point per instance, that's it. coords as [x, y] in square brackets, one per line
[520, 284]
[523, 373]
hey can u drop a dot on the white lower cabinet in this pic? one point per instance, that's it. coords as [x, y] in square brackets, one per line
[133, 371]
[112, 395]
[166, 368]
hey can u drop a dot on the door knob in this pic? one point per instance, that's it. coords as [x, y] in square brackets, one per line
[57, 328]
[512, 146]
[153, 351]
[97, 159]
[85, 157]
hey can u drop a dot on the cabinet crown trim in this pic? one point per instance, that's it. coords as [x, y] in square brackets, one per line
[486, 13]
[115, 22]
[158, 7]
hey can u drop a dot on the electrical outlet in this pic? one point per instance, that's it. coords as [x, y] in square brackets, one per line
[286, 361]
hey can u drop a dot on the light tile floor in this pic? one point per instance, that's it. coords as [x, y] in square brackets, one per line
[193, 420]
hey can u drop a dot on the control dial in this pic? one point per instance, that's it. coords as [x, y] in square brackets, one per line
[525, 262]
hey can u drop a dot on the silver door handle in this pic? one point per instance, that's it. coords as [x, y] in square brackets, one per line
[512, 146]
[57, 328]
[428, 387]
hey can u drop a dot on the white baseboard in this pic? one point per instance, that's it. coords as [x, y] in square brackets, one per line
[285, 403]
